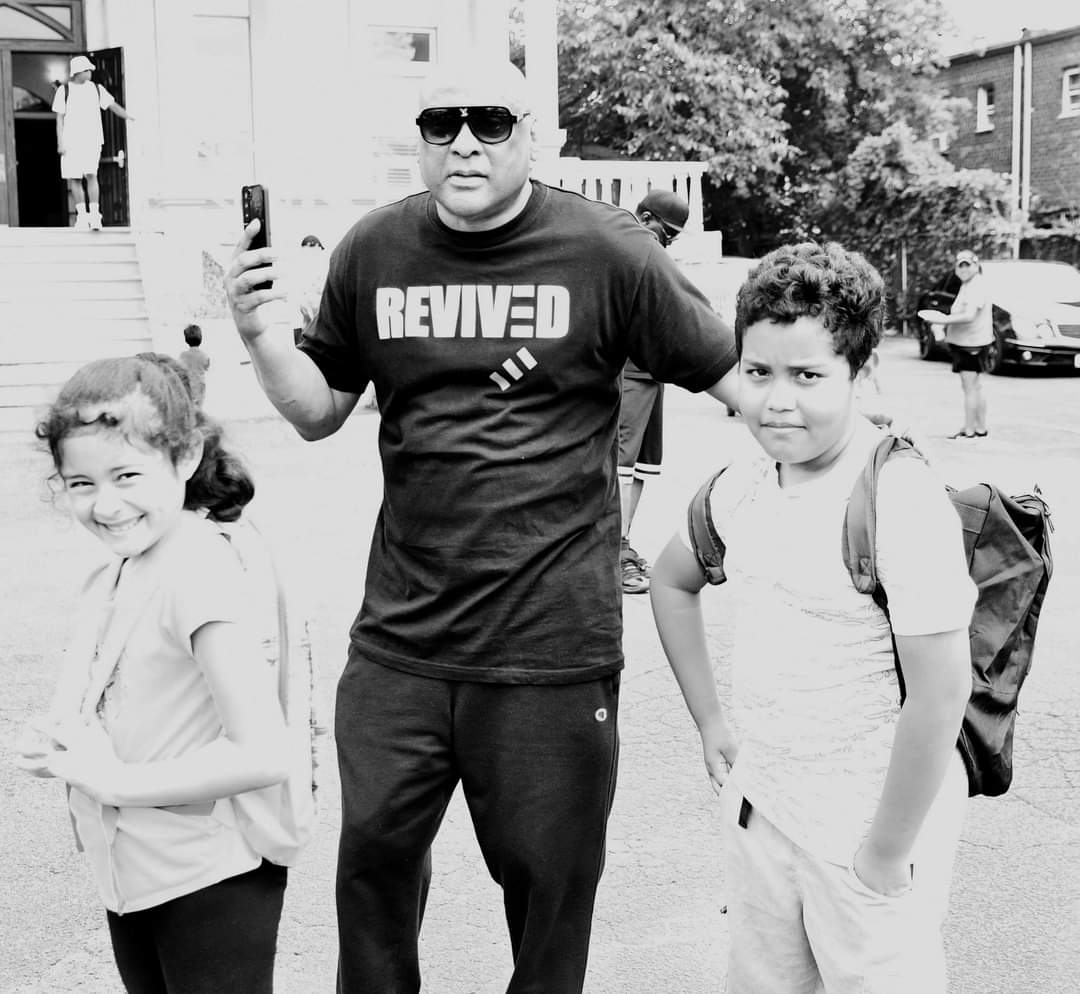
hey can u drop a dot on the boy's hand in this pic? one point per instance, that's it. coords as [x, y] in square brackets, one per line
[888, 877]
[720, 749]
[246, 304]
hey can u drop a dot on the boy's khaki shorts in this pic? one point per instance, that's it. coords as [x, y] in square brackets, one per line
[80, 162]
[801, 925]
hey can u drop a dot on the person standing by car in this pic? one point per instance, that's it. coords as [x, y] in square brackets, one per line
[969, 333]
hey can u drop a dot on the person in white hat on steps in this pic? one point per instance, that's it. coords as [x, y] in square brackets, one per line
[79, 137]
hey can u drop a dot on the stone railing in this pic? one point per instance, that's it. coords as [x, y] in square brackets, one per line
[394, 173]
[624, 182]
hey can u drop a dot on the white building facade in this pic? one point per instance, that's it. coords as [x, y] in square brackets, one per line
[315, 100]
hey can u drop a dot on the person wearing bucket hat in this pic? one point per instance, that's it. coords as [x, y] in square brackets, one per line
[641, 424]
[78, 104]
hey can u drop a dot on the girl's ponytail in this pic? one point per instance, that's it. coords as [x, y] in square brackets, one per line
[221, 484]
[148, 399]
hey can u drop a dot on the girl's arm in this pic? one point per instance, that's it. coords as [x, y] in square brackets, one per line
[675, 589]
[937, 675]
[252, 753]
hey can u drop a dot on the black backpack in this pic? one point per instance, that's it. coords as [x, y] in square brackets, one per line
[1006, 540]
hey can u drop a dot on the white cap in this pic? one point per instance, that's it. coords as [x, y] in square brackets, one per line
[81, 64]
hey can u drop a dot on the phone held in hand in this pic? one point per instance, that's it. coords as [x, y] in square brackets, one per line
[255, 200]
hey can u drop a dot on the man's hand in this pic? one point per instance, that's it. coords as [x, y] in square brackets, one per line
[248, 268]
[61, 148]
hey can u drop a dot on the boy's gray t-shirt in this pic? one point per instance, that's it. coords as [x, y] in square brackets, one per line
[814, 690]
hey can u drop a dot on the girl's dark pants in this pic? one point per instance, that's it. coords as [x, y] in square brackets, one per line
[537, 768]
[221, 938]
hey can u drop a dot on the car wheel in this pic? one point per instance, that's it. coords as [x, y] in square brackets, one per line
[927, 345]
[997, 355]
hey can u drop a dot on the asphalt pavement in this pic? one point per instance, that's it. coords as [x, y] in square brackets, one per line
[1014, 922]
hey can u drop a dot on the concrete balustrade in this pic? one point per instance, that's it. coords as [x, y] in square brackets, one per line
[624, 183]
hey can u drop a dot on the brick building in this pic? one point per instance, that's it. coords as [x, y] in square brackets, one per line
[1023, 117]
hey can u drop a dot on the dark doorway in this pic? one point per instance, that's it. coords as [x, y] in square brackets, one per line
[112, 173]
[42, 196]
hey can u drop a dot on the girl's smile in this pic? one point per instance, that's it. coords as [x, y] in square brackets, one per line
[128, 496]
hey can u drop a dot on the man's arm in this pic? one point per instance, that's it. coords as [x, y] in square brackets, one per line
[120, 112]
[675, 584]
[288, 377]
[725, 389]
[966, 313]
[60, 133]
[963, 310]
[937, 676]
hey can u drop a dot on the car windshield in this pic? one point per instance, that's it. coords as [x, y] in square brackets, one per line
[1059, 283]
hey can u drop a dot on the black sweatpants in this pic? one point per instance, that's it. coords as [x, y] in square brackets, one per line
[221, 938]
[537, 769]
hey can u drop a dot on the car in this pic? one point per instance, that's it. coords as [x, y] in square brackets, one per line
[1036, 313]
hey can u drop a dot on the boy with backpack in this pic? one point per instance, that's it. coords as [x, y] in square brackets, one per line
[77, 105]
[841, 812]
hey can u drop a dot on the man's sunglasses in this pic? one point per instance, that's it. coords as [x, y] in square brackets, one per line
[672, 233]
[490, 125]
[964, 263]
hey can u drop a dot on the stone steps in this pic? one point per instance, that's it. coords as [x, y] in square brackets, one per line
[66, 297]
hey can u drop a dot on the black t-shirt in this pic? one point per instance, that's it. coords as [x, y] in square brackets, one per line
[496, 359]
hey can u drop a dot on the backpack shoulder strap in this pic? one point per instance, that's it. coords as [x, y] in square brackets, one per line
[245, 549]
[67, 91]
[707, 545]
[859, 535]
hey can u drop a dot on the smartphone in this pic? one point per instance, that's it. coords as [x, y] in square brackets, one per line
[255, 200]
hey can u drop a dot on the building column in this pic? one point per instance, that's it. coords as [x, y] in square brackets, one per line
[487, 26]
[542, 73]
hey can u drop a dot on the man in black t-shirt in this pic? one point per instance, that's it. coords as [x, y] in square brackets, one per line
[494, 315]
[641, 415]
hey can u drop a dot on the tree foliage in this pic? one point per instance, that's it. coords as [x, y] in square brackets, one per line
[897, 196]
[773, 95]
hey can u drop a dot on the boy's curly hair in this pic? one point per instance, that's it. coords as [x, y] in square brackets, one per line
[825, 281]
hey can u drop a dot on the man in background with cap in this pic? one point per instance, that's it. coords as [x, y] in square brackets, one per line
[641, 415]
[969, 333]
[79, 136]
